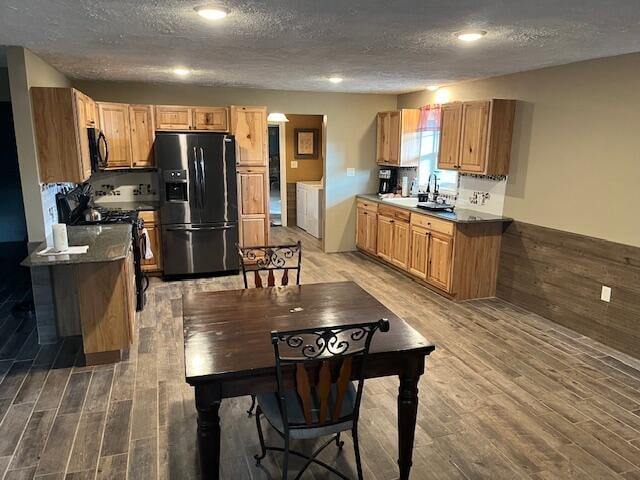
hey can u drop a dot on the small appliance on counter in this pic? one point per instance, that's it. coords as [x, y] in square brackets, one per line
[388, 180]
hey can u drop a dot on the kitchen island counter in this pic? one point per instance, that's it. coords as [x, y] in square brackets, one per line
[107, 243]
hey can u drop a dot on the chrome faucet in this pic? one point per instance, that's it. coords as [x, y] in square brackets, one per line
[435, 193]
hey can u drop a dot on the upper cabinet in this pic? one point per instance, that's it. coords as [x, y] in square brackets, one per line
[130, 133]
[178, 118]
[249, 126]
[475, 137]
[61, 117]
[397, 138]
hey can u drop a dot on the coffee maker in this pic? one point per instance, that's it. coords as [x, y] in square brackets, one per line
[388, 180]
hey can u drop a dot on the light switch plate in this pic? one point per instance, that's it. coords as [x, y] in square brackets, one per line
[351, 172]
[294, 164]
[605, 295]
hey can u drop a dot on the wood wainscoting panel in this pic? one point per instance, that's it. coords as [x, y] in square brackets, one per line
[291, 204]
[559, 275]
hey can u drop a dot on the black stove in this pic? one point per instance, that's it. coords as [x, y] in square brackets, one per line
[110, 216]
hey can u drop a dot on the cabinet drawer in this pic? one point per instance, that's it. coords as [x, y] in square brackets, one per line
[367, 205]
[432, 223]
[395, 213]
[150, 217]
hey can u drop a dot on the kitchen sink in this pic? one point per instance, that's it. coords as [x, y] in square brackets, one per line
[405, 202]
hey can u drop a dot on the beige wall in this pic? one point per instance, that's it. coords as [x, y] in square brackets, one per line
[5, 94]
[575, 163]
[27, 70]
[350, 134]
[311, 169]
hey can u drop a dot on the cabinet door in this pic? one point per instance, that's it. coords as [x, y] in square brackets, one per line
[475, 120]
[114, 122]
[154, 264]
[169, 117]
[394, 137]
[439, 266]
[450, 124]
[210, 118]
[385, 237]
[418, 252]
[382, 137]
[142, 135]
[251, 191]
[252, 231]
[82, 123]
[253, 206]
[249, 125]
[400, 244]
[372, 233]
[361, 228]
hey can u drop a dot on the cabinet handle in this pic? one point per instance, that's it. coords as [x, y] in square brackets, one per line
[365, 213]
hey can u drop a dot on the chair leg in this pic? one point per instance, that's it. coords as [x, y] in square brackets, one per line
[253, 404]
[339, 443]
[356, 448]
[263, 452]
[285, 461]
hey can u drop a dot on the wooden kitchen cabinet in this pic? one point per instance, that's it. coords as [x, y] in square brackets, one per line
[63, 156]
[173, 117]
[249, 126]
[114, 123]
[180, 118]
[367, 226]
[151, 220]
[141, 123]
[211, 118]
[130, 133]
[398, 139]
[475, 137]
[253, 206]
[458, 260]
[440, 260]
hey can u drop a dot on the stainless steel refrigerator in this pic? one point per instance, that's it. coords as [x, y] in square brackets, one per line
[199, 209]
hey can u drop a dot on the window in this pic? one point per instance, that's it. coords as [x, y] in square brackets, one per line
[429, 146]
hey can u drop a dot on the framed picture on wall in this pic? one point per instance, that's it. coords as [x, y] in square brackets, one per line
[306, 142]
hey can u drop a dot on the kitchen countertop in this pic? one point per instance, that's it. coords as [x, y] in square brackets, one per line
[137, 206]
[107, 243]
[459, 215]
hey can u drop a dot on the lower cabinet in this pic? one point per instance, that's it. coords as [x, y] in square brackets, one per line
[459, 260]
[367, 229]
[152, 224]
[440, 254]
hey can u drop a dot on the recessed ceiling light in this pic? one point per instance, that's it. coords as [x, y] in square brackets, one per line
[471, 35]
[212, 12]
[335, 79]
[433, 88]
[181, 72]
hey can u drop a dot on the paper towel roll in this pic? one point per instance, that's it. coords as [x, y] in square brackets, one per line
[60, 239]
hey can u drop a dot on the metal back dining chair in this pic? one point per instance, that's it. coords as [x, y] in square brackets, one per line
[269, 259]
[324, 361]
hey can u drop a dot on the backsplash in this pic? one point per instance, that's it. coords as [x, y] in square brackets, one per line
[125, 186]
[481, 193]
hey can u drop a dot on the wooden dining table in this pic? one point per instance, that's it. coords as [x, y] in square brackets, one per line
[228, 352]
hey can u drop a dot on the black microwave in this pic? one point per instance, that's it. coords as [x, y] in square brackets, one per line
[98, 149]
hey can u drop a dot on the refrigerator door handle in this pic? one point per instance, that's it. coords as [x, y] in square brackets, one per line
[199, 229]
[203, 184]
[196, 167]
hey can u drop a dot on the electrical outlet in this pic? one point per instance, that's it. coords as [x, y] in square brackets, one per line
[351, 172]
[605, 295]
[294, 164]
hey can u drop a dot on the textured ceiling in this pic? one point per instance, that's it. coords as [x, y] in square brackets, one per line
[377, 46]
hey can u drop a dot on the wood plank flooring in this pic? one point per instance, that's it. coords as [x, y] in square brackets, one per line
[507, 394]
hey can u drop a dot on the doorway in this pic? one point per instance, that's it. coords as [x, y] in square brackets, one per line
[275, 204]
